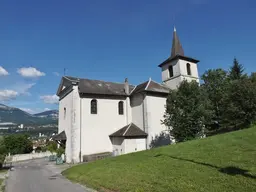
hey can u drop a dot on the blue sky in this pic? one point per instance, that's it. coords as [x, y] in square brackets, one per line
[114, 39]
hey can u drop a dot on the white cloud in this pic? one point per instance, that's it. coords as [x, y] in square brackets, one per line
[30, 72]
[22, 88]
[51, 99]
[31, 111]
[3, 72]
[6, 95]
[47, 109]
[56, 73]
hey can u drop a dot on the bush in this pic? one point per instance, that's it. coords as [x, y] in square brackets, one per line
[18, 144]
[60, 151]
[160, 140]
[52, 146]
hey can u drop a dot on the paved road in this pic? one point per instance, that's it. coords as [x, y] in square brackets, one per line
[39, 176]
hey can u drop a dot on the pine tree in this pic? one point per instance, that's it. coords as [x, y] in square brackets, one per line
[236, 71]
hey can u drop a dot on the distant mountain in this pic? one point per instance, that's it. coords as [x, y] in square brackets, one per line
[17, 116]
[54, 114]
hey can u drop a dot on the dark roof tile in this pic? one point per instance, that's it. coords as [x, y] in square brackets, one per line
[130, 130]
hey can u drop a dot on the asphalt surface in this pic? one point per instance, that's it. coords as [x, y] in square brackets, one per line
[39, 176]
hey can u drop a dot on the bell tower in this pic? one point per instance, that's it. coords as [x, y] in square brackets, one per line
[178, 67]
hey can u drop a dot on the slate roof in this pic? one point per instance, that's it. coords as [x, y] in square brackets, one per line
[151, 86]
[99, 87]
[102, 87]
[130, 130]
[177, 51]
[176, 45]
[60, 137]
[178, 57]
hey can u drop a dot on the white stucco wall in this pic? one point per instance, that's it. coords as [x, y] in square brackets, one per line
[118, 145]
[134, 145]
[96, 128]
[180, 73]
[75, 130]
[155, 113]
[65, 123]
[137, 110]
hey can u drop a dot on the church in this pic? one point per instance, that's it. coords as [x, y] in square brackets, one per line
[98, 117]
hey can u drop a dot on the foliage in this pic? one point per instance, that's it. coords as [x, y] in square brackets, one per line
[241, 105]
[187, 111]
[215, 88]
[224, 162]
[44, 148]
[236, 71]
[18, 144]
[3, 151]
[60, 151]
[160, 140]
[52, 146]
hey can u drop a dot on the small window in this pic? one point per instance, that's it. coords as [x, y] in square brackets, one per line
[170, 71]
[121, 107]
[94, 106]
[65, 111]
[188, 69]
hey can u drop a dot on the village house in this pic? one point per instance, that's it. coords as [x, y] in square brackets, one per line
[96, 116]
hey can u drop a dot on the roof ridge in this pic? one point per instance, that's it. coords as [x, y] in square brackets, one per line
[105, 81]
[127, 129]
[133, 89]
[148, 83]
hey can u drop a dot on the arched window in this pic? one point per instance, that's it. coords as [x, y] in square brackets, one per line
[170, 71]
[65, 111]
[121, 107]
[94, 106]
[188, 69]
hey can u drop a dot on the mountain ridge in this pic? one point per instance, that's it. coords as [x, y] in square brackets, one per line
[18, 116]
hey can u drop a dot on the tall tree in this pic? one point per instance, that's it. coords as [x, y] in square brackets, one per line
[241, 105]
[215, 85]
[187, 112]
[236, 71]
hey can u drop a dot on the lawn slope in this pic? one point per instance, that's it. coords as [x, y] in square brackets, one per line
[224, 162]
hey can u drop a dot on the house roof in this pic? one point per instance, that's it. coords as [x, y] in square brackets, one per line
[190, 59]
[102, 87]
[60, 137]
[130, 130]
[99, 87]
[151, 86]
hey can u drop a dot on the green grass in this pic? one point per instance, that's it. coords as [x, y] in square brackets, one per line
[222, 163]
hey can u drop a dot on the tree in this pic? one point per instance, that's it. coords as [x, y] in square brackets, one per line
[187, 112]
[18, 144]
[241, 105]
[215, 86]
[236, 71]
[3, 151]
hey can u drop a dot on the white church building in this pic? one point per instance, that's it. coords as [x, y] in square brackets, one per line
[97, 117]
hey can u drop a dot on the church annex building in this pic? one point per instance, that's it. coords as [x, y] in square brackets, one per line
[98, 117]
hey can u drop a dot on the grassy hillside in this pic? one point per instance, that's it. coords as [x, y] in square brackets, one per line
[224, 162]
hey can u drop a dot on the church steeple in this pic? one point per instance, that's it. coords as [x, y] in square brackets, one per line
[176, 45]
[178, 67]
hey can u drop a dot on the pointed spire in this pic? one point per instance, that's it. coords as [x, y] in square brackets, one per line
[176, 45]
